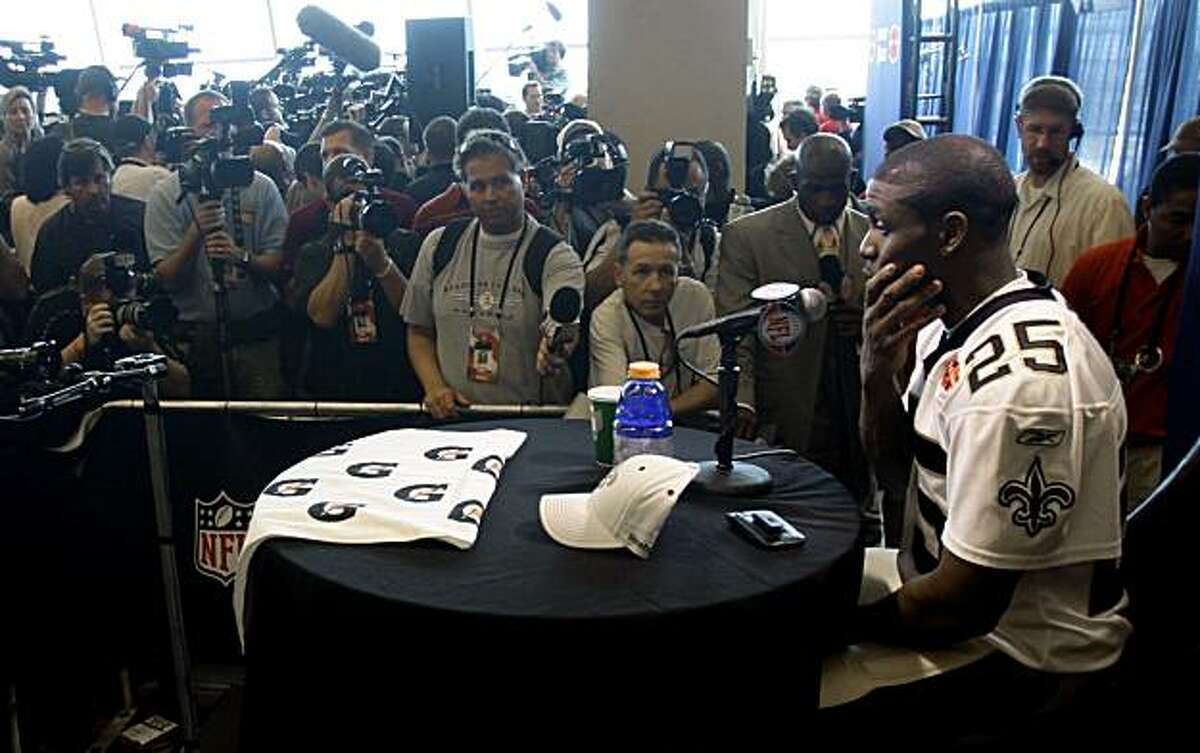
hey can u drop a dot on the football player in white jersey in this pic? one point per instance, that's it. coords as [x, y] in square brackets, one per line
[1008, 437]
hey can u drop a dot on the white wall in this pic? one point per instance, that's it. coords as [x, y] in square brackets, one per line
[669, 69]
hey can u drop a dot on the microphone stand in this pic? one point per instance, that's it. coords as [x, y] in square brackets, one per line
[725, 476]
[145, 369]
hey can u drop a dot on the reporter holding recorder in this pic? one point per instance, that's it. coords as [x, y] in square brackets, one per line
[484, 286]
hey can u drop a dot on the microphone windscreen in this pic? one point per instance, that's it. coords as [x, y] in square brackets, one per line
[347, 43]
[565, 305]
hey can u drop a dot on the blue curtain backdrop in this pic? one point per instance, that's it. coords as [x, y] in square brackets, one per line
[1160, 82]
[1001, 46]
[1099, 64]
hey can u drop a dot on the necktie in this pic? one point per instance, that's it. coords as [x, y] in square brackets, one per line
[827, 242]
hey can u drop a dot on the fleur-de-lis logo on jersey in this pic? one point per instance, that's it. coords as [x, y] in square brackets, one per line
[1034, 498]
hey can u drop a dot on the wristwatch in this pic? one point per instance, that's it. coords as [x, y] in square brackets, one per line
[245, 259]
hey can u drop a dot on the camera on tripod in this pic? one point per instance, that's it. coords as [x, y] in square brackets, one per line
[348, 175]
[681, 203]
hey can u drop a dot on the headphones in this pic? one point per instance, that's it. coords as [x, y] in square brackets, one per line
[1062, 84]
[111, 90]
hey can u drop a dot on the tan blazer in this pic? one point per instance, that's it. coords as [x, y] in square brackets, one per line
[773, 245]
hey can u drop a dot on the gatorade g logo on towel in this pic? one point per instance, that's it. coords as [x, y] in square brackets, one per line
[220, 532]
[422, 493]
[295, 487]
[334, 512]
[470, 511]
[371, 470]
[448, 453]
[341, 449]
[492, 465]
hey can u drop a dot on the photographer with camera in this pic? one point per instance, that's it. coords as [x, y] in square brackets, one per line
[676, 189]
[118, 320]
[493, 300]
[193, 222]
[352, 285]
[311, 222]
[96, 92]
[588, 188]
[137, 169]
[93, 219]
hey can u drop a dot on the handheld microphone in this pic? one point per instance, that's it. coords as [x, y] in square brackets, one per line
[345, 42]
[563, 326]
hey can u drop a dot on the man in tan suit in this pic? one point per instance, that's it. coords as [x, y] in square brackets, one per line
[807, 401]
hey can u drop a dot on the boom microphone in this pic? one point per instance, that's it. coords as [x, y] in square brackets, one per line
[347, 43]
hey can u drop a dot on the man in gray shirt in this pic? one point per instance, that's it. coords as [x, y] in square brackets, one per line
[475, 307]
[650, 307]
[188, 239]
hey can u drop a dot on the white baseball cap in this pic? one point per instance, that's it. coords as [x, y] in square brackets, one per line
[627, 508]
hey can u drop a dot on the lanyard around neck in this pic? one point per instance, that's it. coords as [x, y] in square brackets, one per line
[507, 275]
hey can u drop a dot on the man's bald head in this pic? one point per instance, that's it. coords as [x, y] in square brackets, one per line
[822, 178]
[954, 173]
[823, 154]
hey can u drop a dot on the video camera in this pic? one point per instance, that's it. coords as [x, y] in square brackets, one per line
[21, 64]
[601, 163]
[680, 201]
[371, 213]
[156, 48]
[219, 163]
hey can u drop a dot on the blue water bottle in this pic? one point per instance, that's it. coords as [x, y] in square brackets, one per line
[643, 423]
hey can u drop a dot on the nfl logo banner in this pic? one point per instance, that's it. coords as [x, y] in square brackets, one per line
[220, 532]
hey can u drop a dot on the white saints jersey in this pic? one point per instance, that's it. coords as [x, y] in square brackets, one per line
[1019, 431]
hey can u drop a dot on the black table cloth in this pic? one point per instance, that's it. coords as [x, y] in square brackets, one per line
[327, 625]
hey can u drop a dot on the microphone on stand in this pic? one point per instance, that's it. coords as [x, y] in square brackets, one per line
[780, 321]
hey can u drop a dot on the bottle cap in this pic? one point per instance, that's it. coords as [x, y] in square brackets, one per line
[644, 370]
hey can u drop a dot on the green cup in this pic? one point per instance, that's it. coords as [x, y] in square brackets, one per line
[603, 402]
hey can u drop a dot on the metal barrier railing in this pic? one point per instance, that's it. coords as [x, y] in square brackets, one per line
[298, 409]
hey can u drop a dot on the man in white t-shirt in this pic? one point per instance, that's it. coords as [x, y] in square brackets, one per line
[650, 306]
[136, 171]
[1010, 437]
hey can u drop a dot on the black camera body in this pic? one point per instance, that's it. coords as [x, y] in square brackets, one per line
[138, 297]
[23, 63]
[157, 48]
[210, 170]
[371, 213]
[682, 205]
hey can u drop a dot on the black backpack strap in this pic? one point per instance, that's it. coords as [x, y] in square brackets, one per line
[447, 243]
[544, 241]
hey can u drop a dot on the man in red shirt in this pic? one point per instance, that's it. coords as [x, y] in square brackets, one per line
[1129, 293]
[309, 222]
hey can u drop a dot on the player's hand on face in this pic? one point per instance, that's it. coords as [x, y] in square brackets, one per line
[898, 306]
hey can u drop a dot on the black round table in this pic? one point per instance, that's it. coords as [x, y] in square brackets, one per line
[328, 625]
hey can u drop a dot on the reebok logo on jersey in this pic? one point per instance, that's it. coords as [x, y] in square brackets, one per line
[1041, 437]
[1033, 498]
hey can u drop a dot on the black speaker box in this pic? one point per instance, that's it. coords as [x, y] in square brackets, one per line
[441, 66]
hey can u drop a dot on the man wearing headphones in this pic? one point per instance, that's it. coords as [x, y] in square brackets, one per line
[1064, 208]
[96, 90]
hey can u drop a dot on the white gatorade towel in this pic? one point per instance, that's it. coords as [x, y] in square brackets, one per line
[400, 485]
